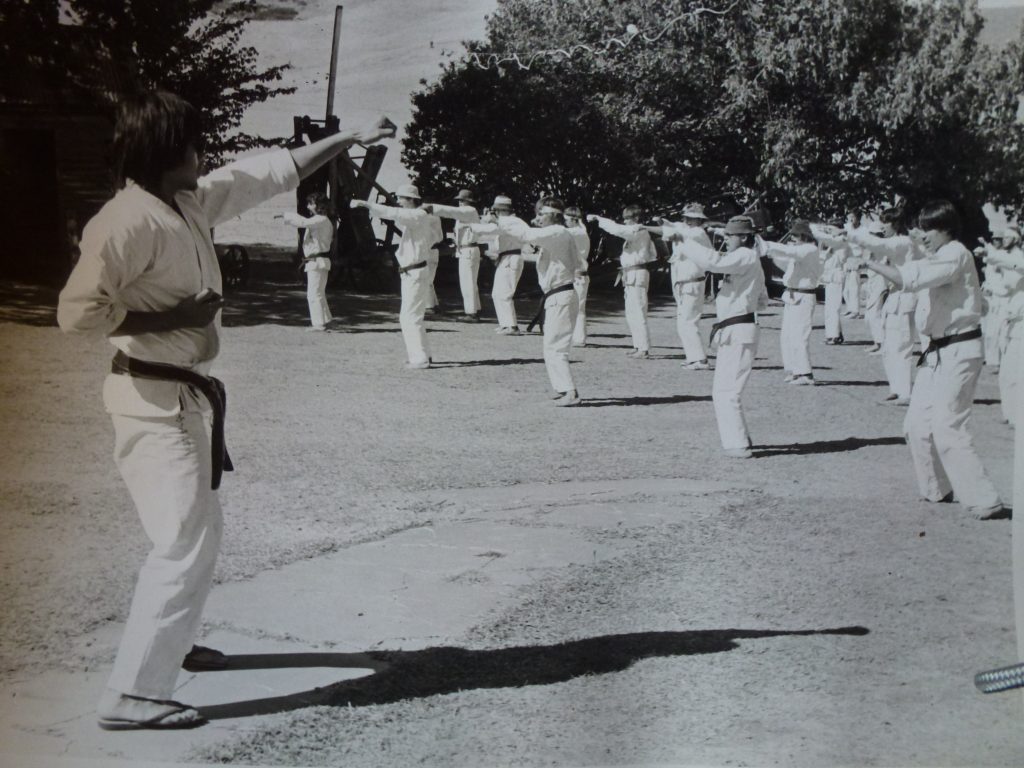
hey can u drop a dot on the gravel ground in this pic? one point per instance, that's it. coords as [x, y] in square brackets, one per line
[647, 658]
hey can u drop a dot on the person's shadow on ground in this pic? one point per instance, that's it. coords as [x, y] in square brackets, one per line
[400, 675]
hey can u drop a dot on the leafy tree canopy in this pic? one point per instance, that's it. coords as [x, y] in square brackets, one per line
[190, 47]
[817, 105]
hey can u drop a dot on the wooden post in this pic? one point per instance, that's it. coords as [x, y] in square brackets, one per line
[332, 169]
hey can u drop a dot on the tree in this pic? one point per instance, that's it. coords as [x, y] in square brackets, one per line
[815, 105]
[190, 47]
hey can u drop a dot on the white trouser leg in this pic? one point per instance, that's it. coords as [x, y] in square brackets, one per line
[689, 305]
[165, 464]
[506, 278]
[797, 319]
[851, 292]
[316, 297]
[876, 322]
[897, 352]
[559, 317]
[415, 289]
[1011, 370]
[579, 331]
[833, 302]
[636, 316]
[937, 429]
[469, 269]
[732, 369]
[431, 296]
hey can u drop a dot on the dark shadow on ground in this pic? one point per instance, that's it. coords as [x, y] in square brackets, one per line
[602, 402]
[853, 383]
[856, 343]
[824, 446]
[472, 363]
[987, 401]
[401, 675]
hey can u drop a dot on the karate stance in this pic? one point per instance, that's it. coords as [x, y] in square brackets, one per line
[148, 279]
[687, 283]
[508, 263]
[316, 260]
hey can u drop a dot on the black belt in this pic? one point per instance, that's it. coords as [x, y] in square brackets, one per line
[509, 252]
[691, 280]
[584, 273]
[811, 291]
[944, 341]
[315, 256]
[211, 388]
[750, 317]
[538, 319]
[411, 267]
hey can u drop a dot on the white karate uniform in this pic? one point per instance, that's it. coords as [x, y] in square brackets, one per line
[316, 244]
[507, 270]
[638, 249]
[582, 283]
[898, 310]
[688, 289]
[875, 292]
[938, 420]
[1010, 332]
[466, 251]
[139, 254]
[832, 275]
[558, 263]
[433, 258]
[419, 233]
[802, 267]
[738, 294]
[993, 296]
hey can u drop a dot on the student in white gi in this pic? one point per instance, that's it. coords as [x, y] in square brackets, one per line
[467, 249]
[801, 265]
[558, 265]
[419, 235]
[1006, 256]
[834, 252]
[148, 279]
[876, 290]
[507, 255]
[578, 230]
[896, 247]
[852, 267]
[687, 282]
[736, 329]
[949, 315]
[637, 254]
[316, 260]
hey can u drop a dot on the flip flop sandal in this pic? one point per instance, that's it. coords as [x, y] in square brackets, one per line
[203, 659]
[157, 723]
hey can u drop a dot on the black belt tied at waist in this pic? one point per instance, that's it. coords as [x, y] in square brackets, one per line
[509, 252]
[691, 280]
[750, 317]
[944, 341]
[811, 291]
[411, 267]
[211, 388]
[538, 319]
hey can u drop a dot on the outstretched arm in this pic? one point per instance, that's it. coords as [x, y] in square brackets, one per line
[310, 157]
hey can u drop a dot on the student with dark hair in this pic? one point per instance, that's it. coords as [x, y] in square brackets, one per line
[949, 315]
[637, 254]
[148, 279]
[316, 256]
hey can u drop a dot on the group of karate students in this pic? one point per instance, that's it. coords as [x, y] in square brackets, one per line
[921, 288]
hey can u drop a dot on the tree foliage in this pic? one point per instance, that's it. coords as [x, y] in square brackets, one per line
[814, 104]
[190, 47]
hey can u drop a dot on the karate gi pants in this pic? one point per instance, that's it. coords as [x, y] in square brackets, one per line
[833, 303]
[851, 292]
[165, 462]
[636, 316]
[506, 278]
[1017, 526]
[469, 270]
[559, 317]
[733, 364]
[991, 325]
[875, 317]
[795, 338]
[431, 293]
[1011, 370]
[937, 428]
[579, 331]
[689, 306]
[316, 296]
[898, 352]
[415, 290]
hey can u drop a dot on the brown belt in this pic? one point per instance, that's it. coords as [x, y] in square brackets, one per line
[211, 388]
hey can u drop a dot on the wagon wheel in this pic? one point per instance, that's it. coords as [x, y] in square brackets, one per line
[234, 267]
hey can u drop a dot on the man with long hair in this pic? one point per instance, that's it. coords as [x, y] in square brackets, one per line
[148, 279]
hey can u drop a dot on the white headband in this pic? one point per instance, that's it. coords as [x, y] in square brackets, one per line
[548, 209]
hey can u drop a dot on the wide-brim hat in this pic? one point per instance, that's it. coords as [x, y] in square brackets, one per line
[408, 190]
[739, 225]
[802, 228]
[693, 211]
[465, 196]
[502, 203]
